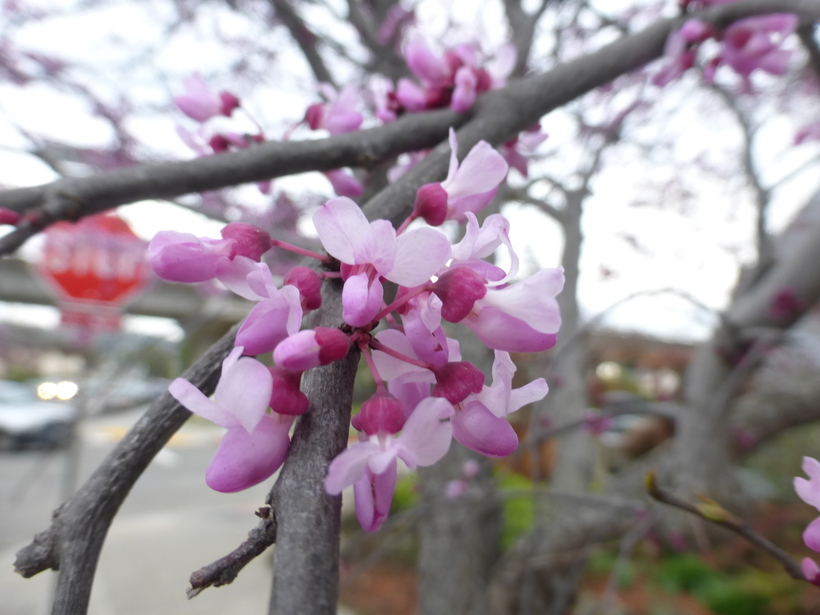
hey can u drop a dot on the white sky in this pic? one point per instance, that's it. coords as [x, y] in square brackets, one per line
[697, 251]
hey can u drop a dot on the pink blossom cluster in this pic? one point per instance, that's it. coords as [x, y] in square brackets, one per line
[426, 395]
[453, 80]
[202, 104]
[809, 492]
[745, 46]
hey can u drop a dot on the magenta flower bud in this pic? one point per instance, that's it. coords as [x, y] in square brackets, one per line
[8, 216]
[334, 345]
[431, 204]
[219, 143]
[456, 380]
[286, 397]
[229, 103]
[313, 116]
[309, 284]
[251, 241]
[381, 413]
[311, 348]
[458, 290]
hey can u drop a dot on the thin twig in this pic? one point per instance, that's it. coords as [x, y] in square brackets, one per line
[224, 570]
[710, 510]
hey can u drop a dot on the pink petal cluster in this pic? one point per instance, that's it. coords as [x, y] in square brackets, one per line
[372, 251]
[452, 80]
[469, 186]
[370, 466]
[256, 442]
[426, 395]
[200, 103]
[338, 115]
[809, 492]
[746, 45]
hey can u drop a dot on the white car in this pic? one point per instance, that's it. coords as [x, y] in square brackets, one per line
[27, 422]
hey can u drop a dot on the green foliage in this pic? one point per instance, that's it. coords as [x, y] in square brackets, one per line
[726, 597]
[683, 572]
[518, 508]
[406, 495]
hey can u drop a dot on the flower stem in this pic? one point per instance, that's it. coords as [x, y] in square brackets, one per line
[377, 345]
[303, 251]
[401, 301]
[371, 364]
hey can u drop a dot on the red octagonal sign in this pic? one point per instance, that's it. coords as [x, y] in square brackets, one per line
[94, 263]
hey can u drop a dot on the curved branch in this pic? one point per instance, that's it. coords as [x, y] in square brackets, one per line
[73, 543]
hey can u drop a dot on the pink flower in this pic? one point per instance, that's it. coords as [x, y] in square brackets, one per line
[681, 49]
[338, 115]
[471, 185]
[428, 67]
[518, 151]
[277, 315]
[370, 465]
[755, 42]
[480, 422]
[809, 490]
[343, 183]
[312, 348]
[7, 216]
[373, 250]
[521, 317]
[200, 103]
[182, 257]
[811, 570]
[256, 443]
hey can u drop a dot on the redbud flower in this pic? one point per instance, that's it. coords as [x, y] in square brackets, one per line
[809, 490]
[309, 284]
[375, 250]
[286, 396]
[471, 185]
[312, 348]
[456, 380]
[338, 114]
[7, 216]
[200, 103]
[249, 241]
[458, 290]
[371, 464]
[256, 443]
[344, 184]
[811, 570]
[382, 413]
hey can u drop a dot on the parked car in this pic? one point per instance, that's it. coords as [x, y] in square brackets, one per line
[27, 422]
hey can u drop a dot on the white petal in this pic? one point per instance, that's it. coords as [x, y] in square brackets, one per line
[195, 401]
[349, 466]
[421, 253]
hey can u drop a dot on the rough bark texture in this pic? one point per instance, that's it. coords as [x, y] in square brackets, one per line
[306, 557]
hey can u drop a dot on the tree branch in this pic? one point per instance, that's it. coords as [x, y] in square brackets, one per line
[304, 38]
[710, 510]
[306, 559]
[73, 542]
[224, 570]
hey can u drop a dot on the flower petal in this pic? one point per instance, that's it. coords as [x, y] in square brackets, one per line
[341, 226]
[349, 466]
[195, 401]
[426, 435]
[245, 459]
[245, 388]
[480, 430]
[421, 253]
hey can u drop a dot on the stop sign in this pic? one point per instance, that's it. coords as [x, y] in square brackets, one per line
[96, 261]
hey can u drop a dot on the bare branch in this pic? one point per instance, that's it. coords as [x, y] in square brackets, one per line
[73, 542]
[224, 570]
[521, 195]
[304, 38]
[710, 510]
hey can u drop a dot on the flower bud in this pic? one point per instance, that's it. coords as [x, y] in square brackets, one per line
[229, 103]
[458, 290]
[286, 397]
[219, 143]
[251, 241]
[381, 413]
[309, 284]
[314, 115]
[431, 204]
[7, 216]
[456, 380]
[311, 348]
